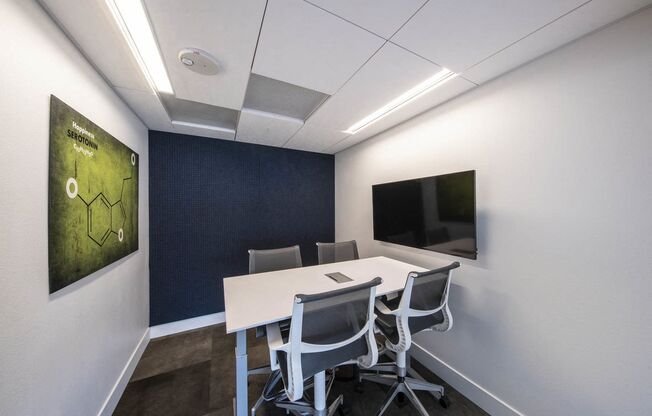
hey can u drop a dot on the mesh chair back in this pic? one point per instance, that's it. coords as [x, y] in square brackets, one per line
[335, 252]
[428, 289]
[335, 318]
[422, 305]
[429, 292]
[328, 329]
[261, 261]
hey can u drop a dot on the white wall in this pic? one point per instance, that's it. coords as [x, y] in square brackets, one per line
[554, 317]
[60, 354]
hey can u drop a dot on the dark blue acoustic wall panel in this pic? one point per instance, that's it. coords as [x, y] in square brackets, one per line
[212, 200]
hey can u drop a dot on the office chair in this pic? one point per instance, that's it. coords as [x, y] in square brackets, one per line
[334, 252]
[327, 330]
[422, 306]
[261, 261]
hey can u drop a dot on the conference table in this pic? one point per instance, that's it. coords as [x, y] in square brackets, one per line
[258, 299]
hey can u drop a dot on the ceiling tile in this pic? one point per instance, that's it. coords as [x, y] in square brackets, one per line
[95, 31]
[389, 73]
[309, 47]
[382, 17]
[278, 97]
[458, 34]
[203, 132]
[315, 138]
[148, 107]
[199, 113]
[437, 96]
[587, 18]
[266, 128]
[227, 30]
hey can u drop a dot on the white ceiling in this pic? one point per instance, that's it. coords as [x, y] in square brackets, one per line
[357, 54]
[309, 47]
[213, 26]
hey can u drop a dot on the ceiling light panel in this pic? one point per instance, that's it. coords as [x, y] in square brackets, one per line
[98, 36]
[425, 103]
[389, 73]
[413, 93]
[132, 19]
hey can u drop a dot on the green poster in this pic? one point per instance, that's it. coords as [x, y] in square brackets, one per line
[93, 197]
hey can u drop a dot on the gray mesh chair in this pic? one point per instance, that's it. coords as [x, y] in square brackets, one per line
[327, 330]
[335, 252]
[261, 261]
[422, 306]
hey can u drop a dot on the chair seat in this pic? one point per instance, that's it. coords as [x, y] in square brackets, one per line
[326, 360]
[387, 323]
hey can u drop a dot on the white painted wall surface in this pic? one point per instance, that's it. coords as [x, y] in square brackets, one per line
[60, 354]
[554, 316]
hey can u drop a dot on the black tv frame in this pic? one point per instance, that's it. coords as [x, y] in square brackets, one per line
[459, 253]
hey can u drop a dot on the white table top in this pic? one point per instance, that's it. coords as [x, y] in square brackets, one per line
[257, 299]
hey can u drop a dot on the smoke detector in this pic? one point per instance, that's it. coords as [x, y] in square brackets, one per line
[199, 61]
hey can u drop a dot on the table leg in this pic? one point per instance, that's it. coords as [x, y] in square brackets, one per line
[241, 389]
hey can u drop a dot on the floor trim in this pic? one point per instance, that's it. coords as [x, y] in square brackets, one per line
[488, 401]
[119, 387]
[186, 325]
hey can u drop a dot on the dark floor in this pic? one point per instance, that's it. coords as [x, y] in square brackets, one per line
[193, 374]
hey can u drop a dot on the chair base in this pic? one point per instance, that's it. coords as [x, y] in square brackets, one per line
[301, 408]
[407, 385]
[268, 391]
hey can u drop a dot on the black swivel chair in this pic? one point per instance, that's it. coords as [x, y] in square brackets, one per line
[422, 306]
[335, 252]
[327, 330]
[261, 261]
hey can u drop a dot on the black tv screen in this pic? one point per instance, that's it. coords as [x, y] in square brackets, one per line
[435, 213]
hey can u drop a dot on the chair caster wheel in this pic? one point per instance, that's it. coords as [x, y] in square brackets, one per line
[444, 402]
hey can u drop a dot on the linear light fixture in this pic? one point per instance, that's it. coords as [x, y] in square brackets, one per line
[413, 93]
[203, 126]
[132, 19]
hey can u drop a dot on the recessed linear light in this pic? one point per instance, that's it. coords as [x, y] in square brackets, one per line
[203, 126]
[132, 19]
[413, 93]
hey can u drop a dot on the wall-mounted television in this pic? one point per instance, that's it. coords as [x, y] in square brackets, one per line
[436, 213]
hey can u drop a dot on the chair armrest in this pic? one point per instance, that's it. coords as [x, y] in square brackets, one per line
[382, 308]
[275, 343]
[274, 338]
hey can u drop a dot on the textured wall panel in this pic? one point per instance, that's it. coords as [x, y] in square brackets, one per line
[212, 200]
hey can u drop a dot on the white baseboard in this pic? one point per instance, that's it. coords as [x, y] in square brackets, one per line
[186, 325]
[472, 390]
[119, 387]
